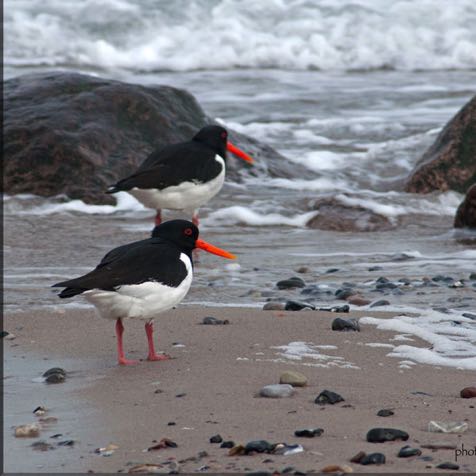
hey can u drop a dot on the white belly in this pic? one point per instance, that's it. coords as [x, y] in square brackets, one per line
[186, 196]
[140, 301]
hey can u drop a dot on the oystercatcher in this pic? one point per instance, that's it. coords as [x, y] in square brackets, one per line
[141, 279]
[182, 176]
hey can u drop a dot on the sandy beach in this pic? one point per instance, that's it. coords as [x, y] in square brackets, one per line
[210, 387]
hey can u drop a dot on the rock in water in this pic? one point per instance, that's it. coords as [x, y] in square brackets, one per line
[450, 163]
[466, 213]
[75, 134]
[328, 397]
[291, 283]
[277, 391]
[293, 378]
[340, 324]
[297, 306]
[379, 435]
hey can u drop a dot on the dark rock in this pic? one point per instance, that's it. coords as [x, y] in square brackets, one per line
[382, 280]
[408, 451]
[472, 276]
[417, 392]
[441, 278]
[332, 270]
[449, 164]
[297, 306]
[315, 290]
[379, 435]
[336, 216]
[77, 134]
[171, 423]
[3, 334]
[469, 315]
[381, 302]
[448, 465]
[309, 432]
[328, 397]
[385, 286]
[291, 283]
[340, 324]
[466, 213]
[401, 257]
[375, 268]
[227, 444]
[216, 439]
[162, 444]
[373, 458]
[344, 293]
[468, 392]
[65, 443]
[212, 321]
[344, 308]
[385, 413]
[55, 378]
[54, 370]
[259, 446]
[180, 395]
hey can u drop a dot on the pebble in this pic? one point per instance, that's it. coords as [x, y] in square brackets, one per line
[448, 465]
[385, 286]
[65, 443]
[293, 378]
[358, 457]
[309, 432]
[375, 268]
[334, 468]
[340, 324]
[31, 430]
[237, 450]
[259, 446]
[440, 446]
[447, 426]
[42, 446]
[469, 315]
[39, 411]
[407, 451]
[379, 435]
[358, 301]
[344, 293]
[328, 397]
[381, 302]
[468, 392]
[212, 321]
[332, 270]
[344, 308]
[227, 444]
[286, 450]
[147, 468]
[373, 458]
[303, 270]
[472, 276]
[273, 306]
[291, 283]
[297, 306]
[441, 278]
[277, 391]
[162, 444]
[55, 375]
[216, 439]
[385, 413]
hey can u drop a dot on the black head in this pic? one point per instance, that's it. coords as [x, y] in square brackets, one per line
[214, 137]
[181, 232]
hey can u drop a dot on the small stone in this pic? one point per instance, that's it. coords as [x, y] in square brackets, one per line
[375, 268]
[447, 426]
[259, 446]
[39, 411]
[358, 457]
[162, 444]
[382, 280]
[4, 334]
[344, 308]
[237, 450]
[291, 283]
[381, 302]
[385, 413]
[180, 395]
[332, 270]
[171, 423]
[469, 315]
[216, 439]
[212, 321]
[65, 443]
[309, 432]
[27, 431]
[54, 370]
[468, 392]
[273, 306]
[328, 397]
[439, 446]
[408, 451]
[55, 378]
[381, 286]
[297, 306]
[341, 324]
[472, 276]
[344, 293]
[334, 468]
[358, 301]
[227, 444]
[286, 450]
[448, 465]
[277, 391]
[303, 270]
[373, 458]
[42, 446]
[379, 435]
[147, 468]
[293, 378]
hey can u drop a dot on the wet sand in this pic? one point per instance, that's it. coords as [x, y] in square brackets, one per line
[218, 371]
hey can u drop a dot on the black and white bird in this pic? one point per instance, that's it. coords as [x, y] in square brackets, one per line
[142, 279]
[182, 176]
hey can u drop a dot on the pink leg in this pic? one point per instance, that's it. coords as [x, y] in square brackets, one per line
[149, 330]
[158, 218]
[120, 350]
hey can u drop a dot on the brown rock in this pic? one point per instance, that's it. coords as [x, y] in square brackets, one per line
[468, 392]
[358, 301]
[334, 468]
[74, 134]
[450, 163]
[466, 213]
[336, 216]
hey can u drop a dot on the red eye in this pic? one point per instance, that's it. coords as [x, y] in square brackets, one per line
[223, 135]
[188, 231]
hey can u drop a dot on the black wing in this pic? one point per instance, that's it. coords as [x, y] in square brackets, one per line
[172, 165]
[136, 263]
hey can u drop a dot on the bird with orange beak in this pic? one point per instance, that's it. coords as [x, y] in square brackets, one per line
[182, 176]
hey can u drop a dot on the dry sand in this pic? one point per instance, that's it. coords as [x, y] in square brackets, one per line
[219, 370]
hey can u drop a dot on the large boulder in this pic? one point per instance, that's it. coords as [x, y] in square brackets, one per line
[74, 134]
[450, 163]
[466, 213]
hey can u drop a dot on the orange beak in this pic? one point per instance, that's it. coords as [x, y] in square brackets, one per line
[238, 152]
[203, 245]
